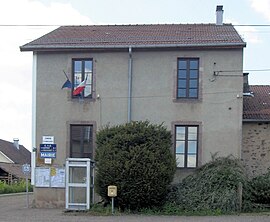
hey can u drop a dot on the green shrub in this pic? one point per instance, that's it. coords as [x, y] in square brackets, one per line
[260, 189]
[15, 187]
[137, 158]
[213, 187]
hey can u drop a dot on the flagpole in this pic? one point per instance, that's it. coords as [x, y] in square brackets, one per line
[65, 74]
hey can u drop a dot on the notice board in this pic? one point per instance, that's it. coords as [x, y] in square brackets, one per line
[50, 177]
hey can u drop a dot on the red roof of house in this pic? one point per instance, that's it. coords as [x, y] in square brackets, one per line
[137, 36]
[19, 156]
[257, 108]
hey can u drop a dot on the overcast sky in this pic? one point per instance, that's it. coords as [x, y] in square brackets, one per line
[16, 66]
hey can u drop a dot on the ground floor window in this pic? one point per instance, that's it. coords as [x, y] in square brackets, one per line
[81, 141]
[186, 146]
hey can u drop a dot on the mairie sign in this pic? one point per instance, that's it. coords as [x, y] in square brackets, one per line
[47, 150]
[47, 154]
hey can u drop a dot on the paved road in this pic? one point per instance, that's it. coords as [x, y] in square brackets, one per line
[13, 209]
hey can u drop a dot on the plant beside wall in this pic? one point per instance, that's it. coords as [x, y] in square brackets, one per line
[212, 188]
[137, 158]
[258, 192]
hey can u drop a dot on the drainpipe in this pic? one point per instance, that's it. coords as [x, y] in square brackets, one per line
[129, 83]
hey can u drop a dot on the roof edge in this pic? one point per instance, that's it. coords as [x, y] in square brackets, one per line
[25, 48]
[256, 120]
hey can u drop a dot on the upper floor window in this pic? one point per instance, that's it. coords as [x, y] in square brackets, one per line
[186, 146]
[188, 78]
[82, 78]
[81, 141]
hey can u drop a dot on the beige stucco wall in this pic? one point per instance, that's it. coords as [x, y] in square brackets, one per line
[218, 110]
[256, 148]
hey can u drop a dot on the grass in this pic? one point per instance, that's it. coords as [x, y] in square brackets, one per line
[166, 210]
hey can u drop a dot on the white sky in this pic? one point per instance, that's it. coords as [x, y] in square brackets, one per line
[16, 66]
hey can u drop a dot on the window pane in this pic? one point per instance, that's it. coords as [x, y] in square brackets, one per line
[182, 83]
[192, 133]
[87, 133]
[182, 74]
[180, 147]
[193, 83]
[181, 93]
[88, 66]
[180, 133]
[193, 64]
[193, 93]
[193, 74]
[77, 66]
[87, 91]
[192, 147]
[77, 79]
[182, 64]
[180, 160]
[192, 161]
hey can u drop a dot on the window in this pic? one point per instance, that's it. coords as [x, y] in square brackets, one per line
[186, 146]
[188, 78]
[81, 141]
[83, 70]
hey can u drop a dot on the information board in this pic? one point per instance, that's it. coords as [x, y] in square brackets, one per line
[42, 177]
[57, 177]
[50, 177]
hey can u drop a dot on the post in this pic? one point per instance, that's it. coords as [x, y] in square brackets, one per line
[112, 205]
[26, 170]
[112, 192]
[240, 195]
[27, 193]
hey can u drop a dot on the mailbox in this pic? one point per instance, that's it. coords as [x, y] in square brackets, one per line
[112, 191]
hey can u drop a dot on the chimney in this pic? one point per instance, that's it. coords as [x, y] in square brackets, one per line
[16, 143]
[219, 15]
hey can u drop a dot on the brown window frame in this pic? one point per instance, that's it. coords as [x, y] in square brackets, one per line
[82, 141]
[186, 141]
[187, 79]
[83, 73]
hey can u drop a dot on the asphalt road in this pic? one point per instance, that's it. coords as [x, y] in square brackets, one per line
[13, 209]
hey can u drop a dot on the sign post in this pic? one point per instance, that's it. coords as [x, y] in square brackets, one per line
[112, 192]
[26, 170]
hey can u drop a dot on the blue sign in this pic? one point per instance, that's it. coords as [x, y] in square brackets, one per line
[47, 147]
[47, 154]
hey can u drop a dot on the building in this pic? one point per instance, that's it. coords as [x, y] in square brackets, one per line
[256, 130]
[187, 76]
[12, 157]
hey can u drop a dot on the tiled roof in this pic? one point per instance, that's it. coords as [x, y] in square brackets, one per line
[140, 36]
[19, 156]
[257, 108]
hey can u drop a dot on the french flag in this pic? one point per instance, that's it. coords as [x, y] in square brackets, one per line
[79, 88]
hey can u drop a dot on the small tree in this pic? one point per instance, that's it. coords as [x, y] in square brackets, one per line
[137, 158]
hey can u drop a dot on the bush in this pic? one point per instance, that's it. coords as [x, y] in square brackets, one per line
[213, 187]
[260, 189]
[137, 158]
[14, 188]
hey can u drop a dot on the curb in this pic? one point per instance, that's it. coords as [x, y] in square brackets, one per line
[14, 194]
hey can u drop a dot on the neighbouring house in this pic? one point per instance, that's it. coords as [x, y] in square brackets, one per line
[256, 130]
[187, 76]
[12, 157]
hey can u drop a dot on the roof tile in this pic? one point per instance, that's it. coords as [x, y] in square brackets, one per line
[19, 156]
[137, 36]
[257, 107]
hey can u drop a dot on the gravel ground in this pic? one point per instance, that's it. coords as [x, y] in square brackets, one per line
[13, 208]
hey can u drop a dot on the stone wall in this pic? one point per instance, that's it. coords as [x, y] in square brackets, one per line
[256, 148]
